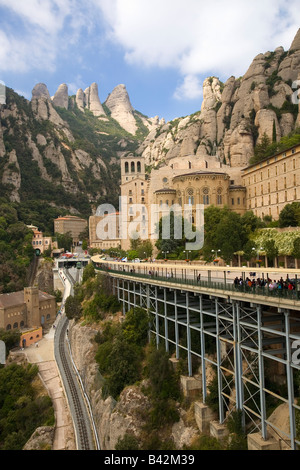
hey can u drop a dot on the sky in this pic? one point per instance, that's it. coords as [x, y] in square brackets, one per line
[161, 50]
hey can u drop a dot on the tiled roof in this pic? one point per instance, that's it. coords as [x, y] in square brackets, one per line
[17, 298]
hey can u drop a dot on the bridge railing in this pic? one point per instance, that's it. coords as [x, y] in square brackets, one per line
[224, 286]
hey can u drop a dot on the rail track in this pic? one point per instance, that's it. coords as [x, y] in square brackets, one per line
[80, 416]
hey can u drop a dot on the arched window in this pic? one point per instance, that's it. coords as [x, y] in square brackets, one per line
[205, 196]
[132, 167]
[8, 327]
[22, 324]
[219, 196]
[190, 198]
[15, 326]
[126, 167]
[138, 167]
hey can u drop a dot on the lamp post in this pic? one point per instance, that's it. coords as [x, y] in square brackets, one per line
[165, 253]
[257, 251]
[187, 251]
[216, 252]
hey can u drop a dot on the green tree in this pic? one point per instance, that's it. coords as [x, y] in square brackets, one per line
[224, 231]
[127, 442]
[64, 240]
[290, 215]
[296, 248]
[175, 243]
[73, 308]
[88, 272]
[136, 325]
[271, 250]
[145, 249]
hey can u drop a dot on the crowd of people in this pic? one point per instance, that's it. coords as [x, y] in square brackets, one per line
[271, 285]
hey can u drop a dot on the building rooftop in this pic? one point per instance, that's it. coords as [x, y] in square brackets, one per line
[17, 298]
[200, 173]
[165, 190]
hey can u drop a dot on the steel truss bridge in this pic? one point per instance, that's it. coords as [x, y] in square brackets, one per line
[248, 335]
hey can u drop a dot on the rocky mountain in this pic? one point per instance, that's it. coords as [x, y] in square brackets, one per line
[65, 150]
[235, 115]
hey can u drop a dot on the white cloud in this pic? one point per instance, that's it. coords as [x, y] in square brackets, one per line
[199, 38]
[195, 38]
[190, 89]
[40, 31]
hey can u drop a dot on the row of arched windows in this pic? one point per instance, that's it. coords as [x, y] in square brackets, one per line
[205, 198]
[133, 168]
[15, 326]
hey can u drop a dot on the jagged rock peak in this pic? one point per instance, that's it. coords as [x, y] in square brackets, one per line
[296, 42]
[89, 98]
[80, 99]
[119, 97]
[95, 104]
[61, 97]
[118, 103]
[40, 91]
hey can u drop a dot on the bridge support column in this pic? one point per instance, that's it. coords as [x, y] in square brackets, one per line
[290, 381]
[202, 344]
[261, 376]
[176, 325]
[219, 361]
[123, 299]
[238, 359]
[156, 318]
[166, 320]
[188, 334]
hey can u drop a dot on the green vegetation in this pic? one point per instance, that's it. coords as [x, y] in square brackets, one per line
[16, 252]
[22, 407]
[266, 148]
[290, 215]
[120, 352]
[173, 245]
[228, 232]
[10, 338]
[102, 139]
[92, 299]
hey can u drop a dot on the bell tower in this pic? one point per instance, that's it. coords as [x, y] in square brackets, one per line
[31, 299]
[131, 168]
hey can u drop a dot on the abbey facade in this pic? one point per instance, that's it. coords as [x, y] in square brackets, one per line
[265, 188]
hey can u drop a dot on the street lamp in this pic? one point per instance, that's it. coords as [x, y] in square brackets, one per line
[187, 251]
[165, 253]
[216, 252]
[257, 251]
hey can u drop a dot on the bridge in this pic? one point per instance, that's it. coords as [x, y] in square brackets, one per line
[249, 335]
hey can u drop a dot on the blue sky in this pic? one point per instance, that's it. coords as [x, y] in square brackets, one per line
[162, 50]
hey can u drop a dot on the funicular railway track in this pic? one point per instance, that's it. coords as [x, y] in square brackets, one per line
[76, 403]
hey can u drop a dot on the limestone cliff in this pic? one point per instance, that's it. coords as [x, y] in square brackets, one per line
[235, 115]
[114, 419]
[52, 151]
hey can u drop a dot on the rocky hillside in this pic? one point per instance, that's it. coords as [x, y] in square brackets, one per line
[235, 115]
[65, 150]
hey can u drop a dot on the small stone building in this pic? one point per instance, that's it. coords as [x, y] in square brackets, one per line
[27, 309]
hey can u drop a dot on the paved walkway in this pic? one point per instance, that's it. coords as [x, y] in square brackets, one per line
[43, 356]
